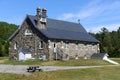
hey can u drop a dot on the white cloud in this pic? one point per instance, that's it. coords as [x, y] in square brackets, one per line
[97, 13]
[93, 9]
[110, 27]
[88, 10]
[67, 16]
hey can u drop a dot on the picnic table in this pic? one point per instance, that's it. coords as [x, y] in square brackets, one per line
[33, 69]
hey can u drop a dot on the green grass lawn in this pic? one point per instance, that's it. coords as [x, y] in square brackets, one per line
[116, 59]
[105, 73]
[79, 62]
[2, 58]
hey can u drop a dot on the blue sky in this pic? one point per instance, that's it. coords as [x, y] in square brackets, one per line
[93, 14]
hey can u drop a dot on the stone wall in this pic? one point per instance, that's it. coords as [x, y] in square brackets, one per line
[70, 49]
[73, 49]
[30, 42]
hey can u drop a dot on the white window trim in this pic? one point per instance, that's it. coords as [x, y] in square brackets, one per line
[27, 32]
[15, 45]
[43, 19]
[55, 47]
[98, 48]
[41, 44]
[67, 45]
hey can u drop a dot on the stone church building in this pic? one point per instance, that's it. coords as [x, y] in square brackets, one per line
[40, 37]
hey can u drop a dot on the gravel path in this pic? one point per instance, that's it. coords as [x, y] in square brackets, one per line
[53, 68]
[17, 69]
[21, 69]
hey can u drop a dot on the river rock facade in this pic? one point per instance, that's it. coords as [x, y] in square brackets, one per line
[40, 37]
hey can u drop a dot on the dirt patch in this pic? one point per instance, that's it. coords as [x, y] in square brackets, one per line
[2, 61]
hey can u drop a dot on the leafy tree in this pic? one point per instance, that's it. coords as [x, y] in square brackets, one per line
[6, 48]
[0, 49]
[6, 30]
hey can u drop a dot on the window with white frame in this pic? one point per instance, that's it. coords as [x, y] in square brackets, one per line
[43, 20]
[67, 45]
[55, 47]
[41, 44]
[49, 44]
[28, 32]
[15, 45]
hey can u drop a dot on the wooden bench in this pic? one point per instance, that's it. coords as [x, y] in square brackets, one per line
[33, 69]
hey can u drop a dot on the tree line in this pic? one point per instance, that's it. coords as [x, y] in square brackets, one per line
[6, 30]
[109, 41]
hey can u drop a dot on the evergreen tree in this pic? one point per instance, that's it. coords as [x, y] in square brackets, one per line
[106, 41]
[109, 42]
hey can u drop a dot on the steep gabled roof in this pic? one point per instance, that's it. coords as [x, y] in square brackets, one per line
[58, 29]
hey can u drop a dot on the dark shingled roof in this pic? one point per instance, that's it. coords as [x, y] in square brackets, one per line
[58, 29]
